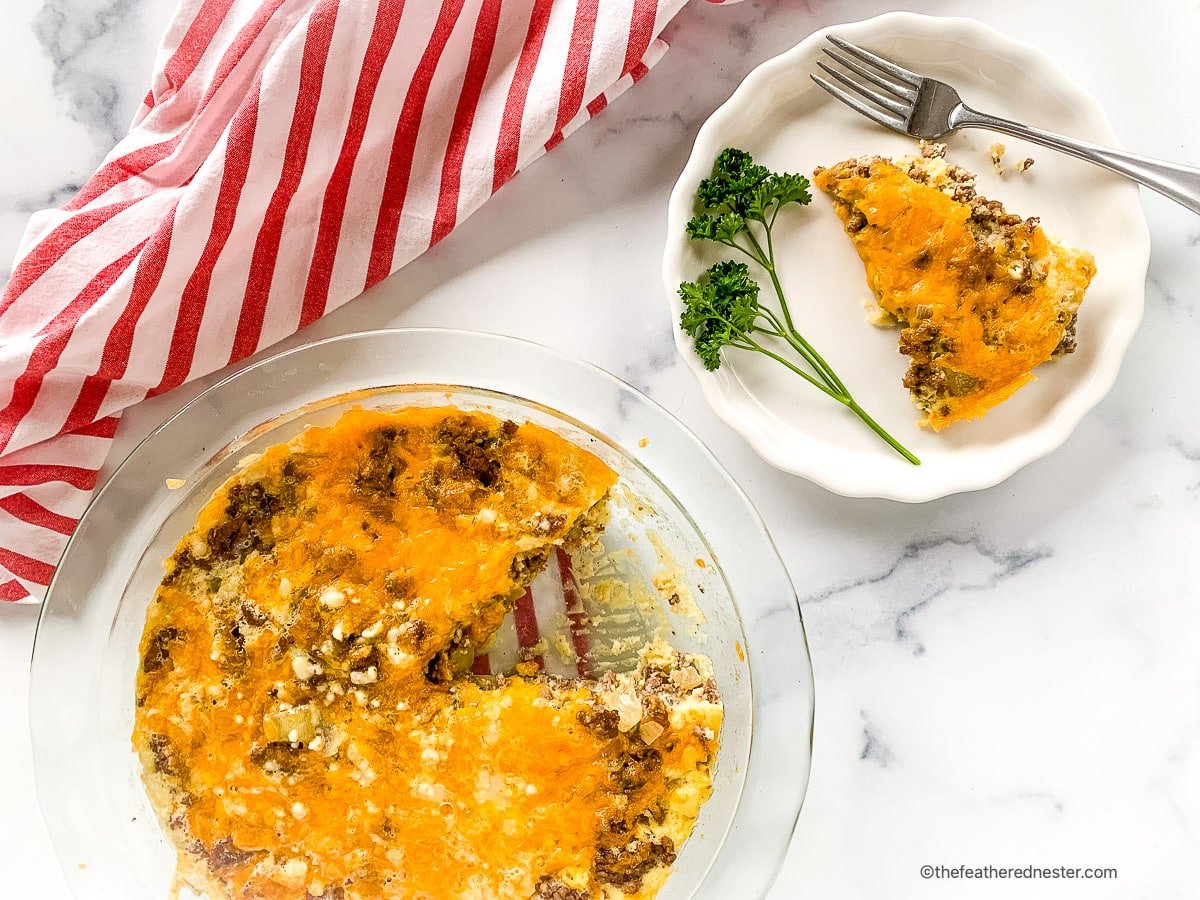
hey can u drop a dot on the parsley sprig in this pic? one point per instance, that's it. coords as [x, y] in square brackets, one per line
[737, 206]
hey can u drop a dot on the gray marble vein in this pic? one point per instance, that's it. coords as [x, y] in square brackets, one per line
[76, 40]
[912, 558]
[874, 750]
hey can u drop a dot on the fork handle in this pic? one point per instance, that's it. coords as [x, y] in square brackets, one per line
[1180, 183]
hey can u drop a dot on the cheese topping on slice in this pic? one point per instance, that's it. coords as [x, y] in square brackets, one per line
[982, 296]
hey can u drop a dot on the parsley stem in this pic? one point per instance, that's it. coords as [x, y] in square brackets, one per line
[841, 395]
[796, 339]
[879, 430]
[849, 402]
[817, 384]
[766, 259]
[783, 333]
[749, 253]
[751, 344]
[817, 360]
[762, 259]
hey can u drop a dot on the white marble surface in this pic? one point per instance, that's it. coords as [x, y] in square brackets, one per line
[1005, 678]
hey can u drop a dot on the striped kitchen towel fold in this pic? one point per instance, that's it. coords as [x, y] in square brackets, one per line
[289, 154]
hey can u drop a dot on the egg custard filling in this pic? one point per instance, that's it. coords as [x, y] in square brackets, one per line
[306, 720]
[982, 296]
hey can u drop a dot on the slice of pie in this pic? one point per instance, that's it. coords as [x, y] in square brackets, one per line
[305, 717]
[982, 296]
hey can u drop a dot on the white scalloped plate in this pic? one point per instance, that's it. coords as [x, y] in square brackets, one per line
[789, 124]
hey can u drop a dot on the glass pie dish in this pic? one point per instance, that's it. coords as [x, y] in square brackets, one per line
[678, 500]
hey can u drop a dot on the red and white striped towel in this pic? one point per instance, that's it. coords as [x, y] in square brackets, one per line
[289, 154]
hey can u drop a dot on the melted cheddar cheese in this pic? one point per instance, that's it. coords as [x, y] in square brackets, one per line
[983, 297]
[304, 720]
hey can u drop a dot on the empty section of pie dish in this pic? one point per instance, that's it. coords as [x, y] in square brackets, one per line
[674, 508]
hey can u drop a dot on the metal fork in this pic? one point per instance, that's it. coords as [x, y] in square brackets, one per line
[924, 107]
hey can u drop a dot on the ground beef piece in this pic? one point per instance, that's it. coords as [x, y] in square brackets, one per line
[416, 632]
[474, 447]
[991, 213]
[291, 478]
[1067, 344]
[363, 657]
[709, 691]
[525, 566]
[381, 464]
[603, 722]
[925, 382]
[855, 222]
[158, 654]
[625, 866]
[552, 889]
[455, 660]
[252, 615]
[549, 523]
[232, 647]
[278, 757]
[185, 562]
[930, 383]
[633, 768]
[477, 461]
[334, 892]
[451, 489]
[247, 523]
[655, 719]
[439, 670]
[925, 341]
[656, 681]
[339, 563]
[165, 760]
[225, 854]
[399, 586]
[654, 710]
[656, 811]
[284, 643]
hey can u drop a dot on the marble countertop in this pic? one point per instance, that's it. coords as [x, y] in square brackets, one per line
[1009, 677]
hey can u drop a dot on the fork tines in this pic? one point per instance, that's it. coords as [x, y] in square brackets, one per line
[891, 105]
